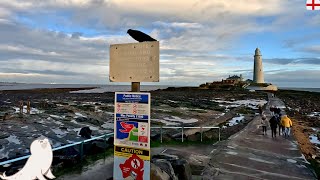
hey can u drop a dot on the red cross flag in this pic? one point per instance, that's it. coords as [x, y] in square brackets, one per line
[313, 4]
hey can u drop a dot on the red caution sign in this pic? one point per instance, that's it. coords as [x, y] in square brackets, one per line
[133, 164]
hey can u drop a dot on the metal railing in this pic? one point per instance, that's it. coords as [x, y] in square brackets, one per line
[188, 127]
[105, 136]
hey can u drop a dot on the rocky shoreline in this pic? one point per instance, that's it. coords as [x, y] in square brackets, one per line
[59, 115]
[304, 109]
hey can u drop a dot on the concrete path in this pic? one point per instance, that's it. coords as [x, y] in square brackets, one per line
[251, 155]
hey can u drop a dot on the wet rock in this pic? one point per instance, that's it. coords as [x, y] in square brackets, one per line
[4, 135]
[165, 167]
[82, 119]
[165, 137]
[194, 137]
[182, 169]
[85, 132]
[157, 174]
[110, 141]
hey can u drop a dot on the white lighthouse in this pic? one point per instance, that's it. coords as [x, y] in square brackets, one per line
[257, 68]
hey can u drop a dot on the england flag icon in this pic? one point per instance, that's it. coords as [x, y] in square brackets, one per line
[313, 4]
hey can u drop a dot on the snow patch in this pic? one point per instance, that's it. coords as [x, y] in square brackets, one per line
[56, 116]
[250, 103]
[232, 153]
[13, 139]
[59, 132]
[4, 154]
[314, 114]
[79, 115]
[168, 123]
[314, 139]
[178, 119]
[235, 120]
[291, 161]
[32, 110]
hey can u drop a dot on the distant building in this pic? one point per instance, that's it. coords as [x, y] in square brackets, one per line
[230, 81]
[236, 78]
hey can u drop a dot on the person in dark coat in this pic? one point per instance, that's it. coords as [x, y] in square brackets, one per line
[278, 110]
[273, 125]
[281, 128]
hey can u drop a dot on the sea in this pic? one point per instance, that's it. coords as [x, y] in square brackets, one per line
[98, 88]
[300, 89]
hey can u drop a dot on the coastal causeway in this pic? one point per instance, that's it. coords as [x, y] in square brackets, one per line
[243, 152]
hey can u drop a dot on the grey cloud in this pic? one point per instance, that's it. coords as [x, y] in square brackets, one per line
[49, 45]
[43, 72]
[285, 61]
[298, 78]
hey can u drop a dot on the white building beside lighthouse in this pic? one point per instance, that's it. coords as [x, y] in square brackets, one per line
[257, 67]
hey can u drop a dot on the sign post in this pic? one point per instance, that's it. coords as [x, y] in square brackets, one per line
[132, 136]
[135, 63]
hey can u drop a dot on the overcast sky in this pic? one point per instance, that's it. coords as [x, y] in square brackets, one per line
[67, 41]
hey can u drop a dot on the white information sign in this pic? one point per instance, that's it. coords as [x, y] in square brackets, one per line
[134, 62]
[132, 136]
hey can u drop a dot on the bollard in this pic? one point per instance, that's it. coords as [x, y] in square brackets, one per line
[219, 133]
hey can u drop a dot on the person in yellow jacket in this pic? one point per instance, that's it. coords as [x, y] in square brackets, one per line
[287, 124]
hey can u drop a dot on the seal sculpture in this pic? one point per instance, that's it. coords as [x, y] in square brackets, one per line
[38, 164]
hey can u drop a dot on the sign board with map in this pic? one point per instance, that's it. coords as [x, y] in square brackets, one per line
[132, 135]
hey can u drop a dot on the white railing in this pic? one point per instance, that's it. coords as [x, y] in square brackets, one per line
[187, 127]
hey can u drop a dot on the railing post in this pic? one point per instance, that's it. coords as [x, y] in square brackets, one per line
[81, 150]
[182, 133]
[201, 133]
[219, 133]
[105, 143]
[161, 134]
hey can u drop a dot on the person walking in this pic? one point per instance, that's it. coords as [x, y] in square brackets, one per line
[260, 109]
[264, 124]
[281, 129]
[273, 125]
[287, 124]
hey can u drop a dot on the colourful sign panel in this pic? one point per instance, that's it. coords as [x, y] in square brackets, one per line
[132, 136]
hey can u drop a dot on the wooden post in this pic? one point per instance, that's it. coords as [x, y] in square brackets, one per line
[21, 106]
[135, 86]
[28, 106]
